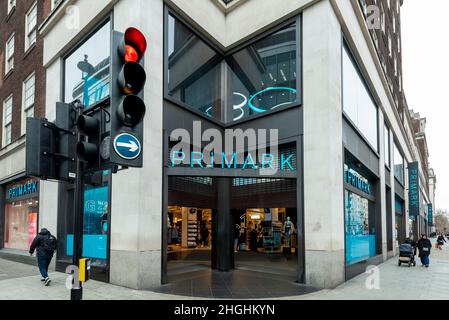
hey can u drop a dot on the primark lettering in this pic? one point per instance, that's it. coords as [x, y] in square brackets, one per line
[357, 182]
[23, 190]
[229, 149]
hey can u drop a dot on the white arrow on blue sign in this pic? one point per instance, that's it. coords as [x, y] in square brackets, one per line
[127, 146]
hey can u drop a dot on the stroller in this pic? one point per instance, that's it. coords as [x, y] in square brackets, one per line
[407, 255]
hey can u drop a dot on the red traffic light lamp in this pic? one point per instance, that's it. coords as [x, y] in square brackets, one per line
[133, 45]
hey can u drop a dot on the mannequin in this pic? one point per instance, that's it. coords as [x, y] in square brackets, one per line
[288, 230]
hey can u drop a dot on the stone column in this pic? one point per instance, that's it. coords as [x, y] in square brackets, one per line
[136, 204]
[382, 196]
[323, 147]
[224, 253]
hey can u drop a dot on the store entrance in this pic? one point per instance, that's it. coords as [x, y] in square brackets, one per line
[265, 240]
[226, 224]
[190, 213]
[189, 239]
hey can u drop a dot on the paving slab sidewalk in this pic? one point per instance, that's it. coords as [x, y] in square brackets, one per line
[22, 282]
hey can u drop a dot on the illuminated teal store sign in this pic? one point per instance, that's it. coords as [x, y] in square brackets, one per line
[357, 182]
[22, 190]
[268, 161]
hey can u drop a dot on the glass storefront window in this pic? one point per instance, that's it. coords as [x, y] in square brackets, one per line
[259, 78]
[360, 242]
[86, 70]
[264, 74]
[399, 208]
[21, 223]
[398, 165]
[356, 180]
[95, 224]
[193, 70]
[358, 104]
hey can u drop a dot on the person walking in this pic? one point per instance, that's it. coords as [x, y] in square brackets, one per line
[236, 238]
[45, 244]
[440, 241]
[424, 247]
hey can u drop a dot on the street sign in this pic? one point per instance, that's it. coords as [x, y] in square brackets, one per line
[127, 146]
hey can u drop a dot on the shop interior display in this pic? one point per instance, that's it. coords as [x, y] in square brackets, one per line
[192, 229]
[21, 223]
[189, 228]
[268, 231]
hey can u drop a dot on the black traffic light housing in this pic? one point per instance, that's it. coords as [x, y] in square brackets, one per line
[41, 145]
[128, 109]
[88, 150]
[50, 147]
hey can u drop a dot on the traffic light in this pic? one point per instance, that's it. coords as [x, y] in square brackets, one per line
[50, 146]
[88, 149]
[41, 145]
[127, 105]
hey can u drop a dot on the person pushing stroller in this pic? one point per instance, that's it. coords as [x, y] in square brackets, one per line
[407, 252]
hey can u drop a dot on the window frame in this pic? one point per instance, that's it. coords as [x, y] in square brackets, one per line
[9, 60]
[6, 124]
[375, 149]
[103, 22]
[11, 7]
[26, 108]
[224, 53]
[28, 31]
[396, 147]
[55, 4]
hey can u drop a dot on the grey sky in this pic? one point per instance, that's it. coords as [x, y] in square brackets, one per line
[426, 70]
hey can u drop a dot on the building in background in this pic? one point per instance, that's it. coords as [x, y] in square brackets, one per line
[432, 190]
[314, 70]
[22, 95]
[428, 191]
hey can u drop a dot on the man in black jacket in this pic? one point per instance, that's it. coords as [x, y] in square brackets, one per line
[424, 247]
[45, 243]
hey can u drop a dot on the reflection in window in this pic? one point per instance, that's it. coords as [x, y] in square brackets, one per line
[360, 243]
[357, 102]
[256, 79]
[87, 72]
[263, 75]
[398, 165]
[193, 70]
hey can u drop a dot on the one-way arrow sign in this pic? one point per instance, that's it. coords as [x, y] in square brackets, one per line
[132, 146]
[127, 146]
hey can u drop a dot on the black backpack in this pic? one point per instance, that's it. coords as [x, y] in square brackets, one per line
[50, 244]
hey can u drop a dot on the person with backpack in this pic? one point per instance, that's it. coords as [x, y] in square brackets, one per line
[45, 244]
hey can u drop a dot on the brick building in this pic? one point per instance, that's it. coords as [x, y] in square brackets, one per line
[22, 95]
[22, 80]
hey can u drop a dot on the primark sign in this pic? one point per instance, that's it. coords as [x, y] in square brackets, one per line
[22, 190]
[357, 181]
[413, 193]
[251, 149]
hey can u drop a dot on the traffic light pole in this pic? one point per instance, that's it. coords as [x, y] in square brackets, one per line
[77, 290]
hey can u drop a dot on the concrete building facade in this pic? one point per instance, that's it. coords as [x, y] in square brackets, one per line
[308, 69]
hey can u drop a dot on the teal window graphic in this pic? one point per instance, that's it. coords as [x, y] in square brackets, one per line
[360, 244]
[95, 227]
